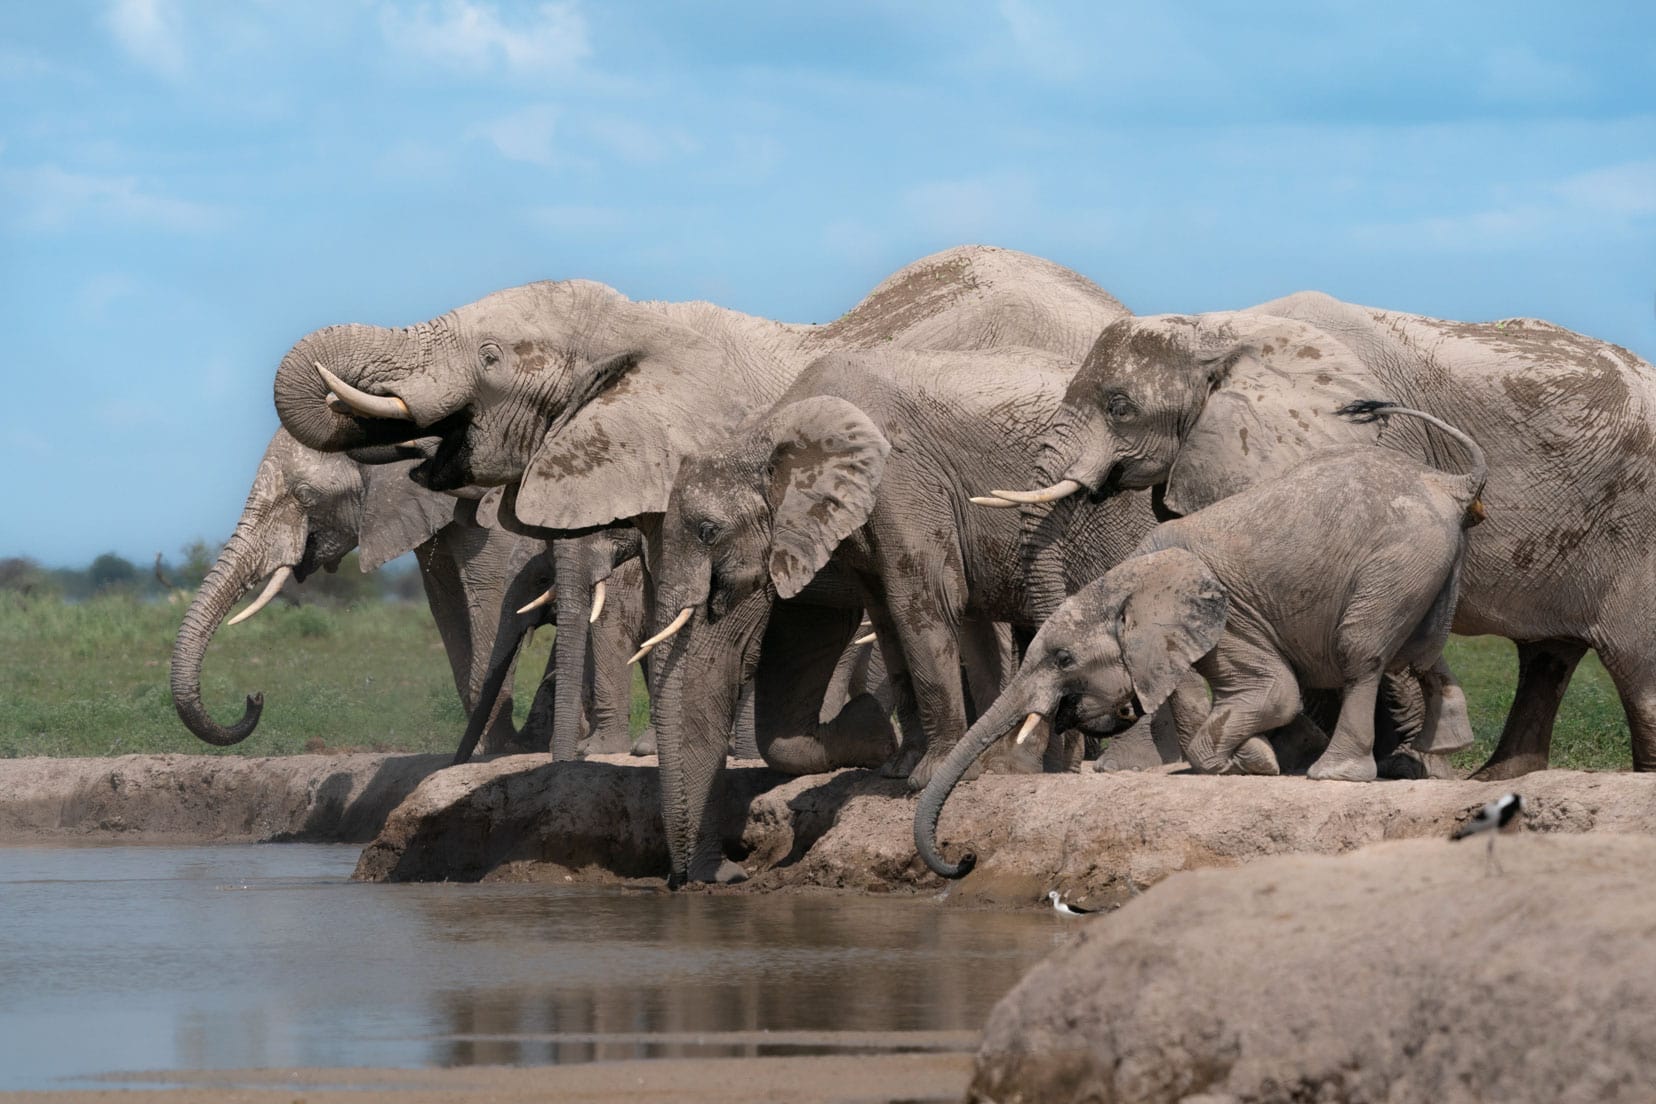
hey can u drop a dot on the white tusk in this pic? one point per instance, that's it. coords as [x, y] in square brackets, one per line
[550, 596]
[992, 502]
[277, 578]
[361, 402]
[645, 648]
[1028, 726]
[869, 639]
[597, 603]
[1060, 489]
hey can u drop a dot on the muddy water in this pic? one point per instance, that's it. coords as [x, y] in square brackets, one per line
[121, 959]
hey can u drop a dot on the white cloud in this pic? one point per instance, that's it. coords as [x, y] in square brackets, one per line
[47, 198]
[1517, 74]
[524, 135]
[1047, 49]
[151, 31]
[472, 35]
[637, 143]
[1626, 189]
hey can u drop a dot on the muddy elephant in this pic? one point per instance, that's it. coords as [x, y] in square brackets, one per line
[1198, 406]
[868, 462]
[1344, 567]
[305, 511]
[582, 402]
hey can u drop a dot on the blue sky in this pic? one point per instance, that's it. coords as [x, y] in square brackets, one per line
[188, 186]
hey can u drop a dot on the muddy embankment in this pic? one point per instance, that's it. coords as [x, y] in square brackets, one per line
[1100, 838]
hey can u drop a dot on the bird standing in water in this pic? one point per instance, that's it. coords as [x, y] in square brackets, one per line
[1504, 814]
[1059, 906]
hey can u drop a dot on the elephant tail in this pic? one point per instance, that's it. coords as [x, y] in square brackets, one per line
[1364, 411]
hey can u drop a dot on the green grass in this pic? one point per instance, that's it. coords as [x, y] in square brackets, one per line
[91, 679]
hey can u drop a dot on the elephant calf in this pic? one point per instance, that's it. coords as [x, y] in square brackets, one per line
[1345, 567]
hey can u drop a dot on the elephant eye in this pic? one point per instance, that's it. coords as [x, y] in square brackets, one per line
[490, 354]
[707, 532]
[1064, 659]
[1120, 406]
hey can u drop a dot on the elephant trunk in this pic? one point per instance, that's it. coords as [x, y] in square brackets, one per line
[1006, 711]
[574, 653]
[385, 362]
[238, 567]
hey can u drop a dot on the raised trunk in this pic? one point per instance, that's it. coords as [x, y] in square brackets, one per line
[383, 361]
[1008, 709]
[239, 566]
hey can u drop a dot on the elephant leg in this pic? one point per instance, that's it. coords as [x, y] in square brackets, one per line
[1634, 673]
[744, 738]
[1350, 754]
[934, 671]
[987, 661]
[1544, 670]
[902, 704]
[801, 646]
[1254, 691]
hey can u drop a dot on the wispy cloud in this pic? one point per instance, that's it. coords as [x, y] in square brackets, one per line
[468, 34]
[970, 208]
[49, 198]
[636, 142]
[151, 32]
[1626, 189]
[524, 135]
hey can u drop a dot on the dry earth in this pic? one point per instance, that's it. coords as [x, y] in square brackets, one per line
[1407, 972]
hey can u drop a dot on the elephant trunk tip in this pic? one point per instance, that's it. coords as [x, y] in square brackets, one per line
[676, 879]
[959, 869]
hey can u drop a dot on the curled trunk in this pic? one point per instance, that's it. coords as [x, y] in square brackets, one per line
[1007, 710]
[357, 354]
[239, 566]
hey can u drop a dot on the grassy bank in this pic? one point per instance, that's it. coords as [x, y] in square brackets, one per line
[91, 679]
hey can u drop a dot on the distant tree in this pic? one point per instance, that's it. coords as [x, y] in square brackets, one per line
[110, 571]
[198, 560]
[24, 576]
[347, 586]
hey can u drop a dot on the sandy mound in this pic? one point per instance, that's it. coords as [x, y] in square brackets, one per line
[207, 798]
[1099, 837]
[1403, 972]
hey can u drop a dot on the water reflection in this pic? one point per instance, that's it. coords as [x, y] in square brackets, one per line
[234, 957]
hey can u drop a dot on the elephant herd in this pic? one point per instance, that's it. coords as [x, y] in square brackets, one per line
[1249, 537]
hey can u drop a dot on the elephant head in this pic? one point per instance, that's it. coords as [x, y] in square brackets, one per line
[1201, 406]
[1113, 652]
[746, 523]
[306, 510]
[580, 399]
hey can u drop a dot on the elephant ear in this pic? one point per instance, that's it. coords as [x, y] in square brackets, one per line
[1276, 384]
[631, 417]
[398, 514]
[827, 458]
[1173, 614]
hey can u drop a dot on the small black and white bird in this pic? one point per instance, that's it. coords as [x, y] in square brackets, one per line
[1504, 814]
[1059, 905]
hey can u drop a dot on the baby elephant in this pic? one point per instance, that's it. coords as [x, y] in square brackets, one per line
[1343, 568]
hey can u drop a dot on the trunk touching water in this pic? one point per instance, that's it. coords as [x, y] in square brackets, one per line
[239, 566]
[1007, 711]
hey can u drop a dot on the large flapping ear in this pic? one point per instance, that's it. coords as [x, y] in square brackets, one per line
[827, 458]
[398, 514]
[1276, 384]
[1173, 613]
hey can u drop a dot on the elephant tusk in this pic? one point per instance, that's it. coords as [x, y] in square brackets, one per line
[549, 597]
[678, 623]
[1028, 726]
[360, 402]
[1061, 489]
[992, 502]
[277, 578]
[597, 603]
[867, 638]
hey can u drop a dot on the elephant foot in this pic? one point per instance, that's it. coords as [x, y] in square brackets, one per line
[1499, 769]
[1255, 756]
[902, 762]
[929, 763]
[716, 872]
[1354, 768]
[645, 744]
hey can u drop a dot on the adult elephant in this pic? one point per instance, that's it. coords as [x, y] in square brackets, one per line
[1201, 406]
[582, 403]
[868, 461]
[305, 511]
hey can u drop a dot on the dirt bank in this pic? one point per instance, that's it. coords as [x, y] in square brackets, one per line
[1101, 838]
[1407, 971]
[206, 798]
